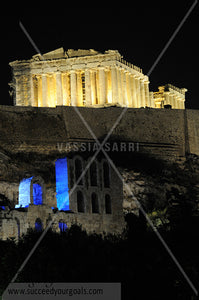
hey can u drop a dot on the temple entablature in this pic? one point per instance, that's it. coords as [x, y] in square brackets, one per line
[83, 78]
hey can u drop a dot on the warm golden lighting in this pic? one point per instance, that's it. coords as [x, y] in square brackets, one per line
[51, 90]
[39, 91]
[66, 88]
[109, 95]
[109, 87]
[94, 79]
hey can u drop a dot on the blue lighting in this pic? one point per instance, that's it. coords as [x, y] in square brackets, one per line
[3, 207]
[24, 193]
[38, 225]
[37, 194]
[62, 226]
[61, 172]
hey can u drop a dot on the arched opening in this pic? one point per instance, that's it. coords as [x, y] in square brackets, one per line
[106, 173]
[95, 203]
[108, 208]
[30, 191]
[80, 202]
[24, 192]
[78, 171]
[93, 174]
[62, 189]
[38, 225]
[62, 226]
[37, 194]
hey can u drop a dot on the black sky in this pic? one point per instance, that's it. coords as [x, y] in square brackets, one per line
[139, 32]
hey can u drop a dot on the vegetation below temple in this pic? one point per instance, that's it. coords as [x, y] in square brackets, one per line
[137, 259]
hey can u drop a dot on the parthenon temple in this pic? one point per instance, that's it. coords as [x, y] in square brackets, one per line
[87, 78]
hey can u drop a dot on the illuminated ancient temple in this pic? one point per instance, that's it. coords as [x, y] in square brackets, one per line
[87, 78]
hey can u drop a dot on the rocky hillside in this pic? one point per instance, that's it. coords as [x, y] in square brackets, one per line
[168, 192]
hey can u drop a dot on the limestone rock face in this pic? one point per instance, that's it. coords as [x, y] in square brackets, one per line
[159, 195]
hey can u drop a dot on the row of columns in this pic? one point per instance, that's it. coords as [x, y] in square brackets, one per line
[112, 85]
[175, 101]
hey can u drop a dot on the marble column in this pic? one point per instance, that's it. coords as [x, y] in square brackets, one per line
[66, 88]
[32, 102]
[17, 91]
[114, 85]
[143, 104]
[124, 88]
[119, 81]
[59, 89]
[88, 87]
[102, 86]
[179, 102]
[128, 90]
[138, 93]
[73, 88]
[35, 90]
[93, 87]
[152, 99]
[134, 94]
[146, 92]
[79, 91]
[44, 91]
[166, 98]
[175, 101]
[171, 100]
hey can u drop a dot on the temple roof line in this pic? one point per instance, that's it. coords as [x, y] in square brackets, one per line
[70, 53]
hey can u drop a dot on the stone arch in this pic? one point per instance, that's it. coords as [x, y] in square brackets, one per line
[62, 188]
[37, 191]
[78, 167]
[108, 208]
[95, 203]
[28, 191]
[62, 225]
[106, 174]
[38, 225]
[93, 174]
[80, 202]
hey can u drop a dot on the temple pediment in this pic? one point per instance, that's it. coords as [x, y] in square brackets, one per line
[87, 78]
[61, 53]
[57, 53]
[81, 52]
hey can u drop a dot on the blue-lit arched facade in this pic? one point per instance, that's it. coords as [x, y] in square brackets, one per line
[30, 192]
[62, 189]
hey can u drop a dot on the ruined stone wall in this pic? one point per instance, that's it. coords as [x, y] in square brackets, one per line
[30, 137]
[15, 222]
[158, 131]
[192, 131]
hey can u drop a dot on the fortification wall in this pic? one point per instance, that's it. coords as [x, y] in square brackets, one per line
[192, 131]
[163, 132]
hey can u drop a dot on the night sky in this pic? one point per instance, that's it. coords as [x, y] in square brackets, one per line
[139, 32]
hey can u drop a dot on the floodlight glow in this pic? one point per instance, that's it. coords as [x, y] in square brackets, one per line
[62, 190]
[38, 225]
[62, 226]
[24, 192]
[37, 194]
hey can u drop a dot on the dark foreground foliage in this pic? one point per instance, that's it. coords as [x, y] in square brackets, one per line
[137, 260]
